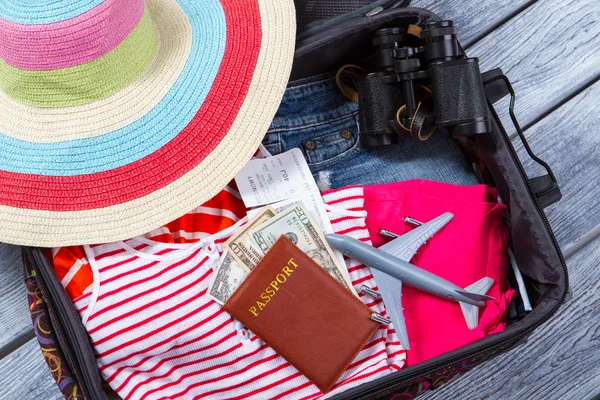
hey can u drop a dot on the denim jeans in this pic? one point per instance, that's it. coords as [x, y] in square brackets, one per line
[315, 117]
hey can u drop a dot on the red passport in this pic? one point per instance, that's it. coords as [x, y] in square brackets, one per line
[303, 313]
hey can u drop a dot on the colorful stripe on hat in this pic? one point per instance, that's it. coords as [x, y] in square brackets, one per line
[244, 97]
[44, 11]
[51, 125]
[187, 146]
[160, 125]
[76, 41]
[84, 83]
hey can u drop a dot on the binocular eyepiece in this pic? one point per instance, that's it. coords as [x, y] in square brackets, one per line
[413, 72]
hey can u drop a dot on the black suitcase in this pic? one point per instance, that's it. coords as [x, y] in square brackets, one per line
[333, 33]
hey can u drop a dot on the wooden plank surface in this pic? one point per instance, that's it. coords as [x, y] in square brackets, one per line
[549, 51]
[561, 359]
[569, 141]
[24, 375]
[476, 18]
[15, 323]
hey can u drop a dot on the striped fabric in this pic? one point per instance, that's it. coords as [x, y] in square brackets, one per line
[222, 211]
[158, 336]
[118, 116]
[114, 52]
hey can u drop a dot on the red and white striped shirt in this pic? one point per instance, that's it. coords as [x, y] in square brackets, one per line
[157, 335]
[222, 211]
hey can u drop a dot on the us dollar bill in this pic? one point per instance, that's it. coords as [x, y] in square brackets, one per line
[240, 246]
[228, 277]
[295, 223]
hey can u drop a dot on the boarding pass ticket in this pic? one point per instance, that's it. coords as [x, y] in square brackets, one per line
[273, 179]
[281, 181]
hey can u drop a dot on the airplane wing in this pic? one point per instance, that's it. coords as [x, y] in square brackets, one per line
[405, 246]
[390, 290]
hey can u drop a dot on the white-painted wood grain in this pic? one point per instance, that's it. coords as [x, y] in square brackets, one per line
[549, 51]
[24, 375]
[569, 141]
[14, 314]
[474, 18]
[561, 359]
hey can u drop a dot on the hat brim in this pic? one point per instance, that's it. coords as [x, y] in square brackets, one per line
[115, 203]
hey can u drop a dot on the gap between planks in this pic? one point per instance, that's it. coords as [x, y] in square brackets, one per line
[576, 92]
[568, 142]
[496, 25]
[550, 51]
[16, 343]
[560, 360]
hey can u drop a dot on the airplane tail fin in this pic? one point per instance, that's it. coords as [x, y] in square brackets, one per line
[477, 292]
[474, 295]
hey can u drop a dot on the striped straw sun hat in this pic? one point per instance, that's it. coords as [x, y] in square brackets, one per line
[118, 116]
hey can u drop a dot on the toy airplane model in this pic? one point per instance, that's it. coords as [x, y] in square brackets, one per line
[390, 266]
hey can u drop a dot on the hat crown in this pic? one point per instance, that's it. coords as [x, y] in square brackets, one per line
[51, 56]
[42, 12]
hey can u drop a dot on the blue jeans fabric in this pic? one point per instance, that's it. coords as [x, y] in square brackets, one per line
[315, 117]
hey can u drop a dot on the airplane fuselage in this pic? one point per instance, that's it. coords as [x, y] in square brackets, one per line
[405, 271]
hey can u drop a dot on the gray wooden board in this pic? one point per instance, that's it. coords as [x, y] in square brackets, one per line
[568, 140]
[24, 375]
[14, 315]
[561, 360]
[549, 51]
[474, 18]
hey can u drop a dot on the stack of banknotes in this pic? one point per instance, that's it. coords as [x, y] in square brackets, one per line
[247, 246]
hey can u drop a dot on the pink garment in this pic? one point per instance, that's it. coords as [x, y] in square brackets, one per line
[473, 245]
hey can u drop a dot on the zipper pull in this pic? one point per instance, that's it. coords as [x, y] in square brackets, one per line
[374, 11]
[380, 319]
[369, 292]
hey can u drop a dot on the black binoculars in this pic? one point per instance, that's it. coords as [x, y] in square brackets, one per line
[414, 74]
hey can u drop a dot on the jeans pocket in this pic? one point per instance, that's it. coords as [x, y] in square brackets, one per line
[273, 148]
[325, 151]
[272, 143]
[324, 143]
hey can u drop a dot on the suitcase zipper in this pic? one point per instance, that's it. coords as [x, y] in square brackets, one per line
[361, 12]
[529, 330]
[396, 4]
[81, 379]
[65, 345]
[427, 371]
